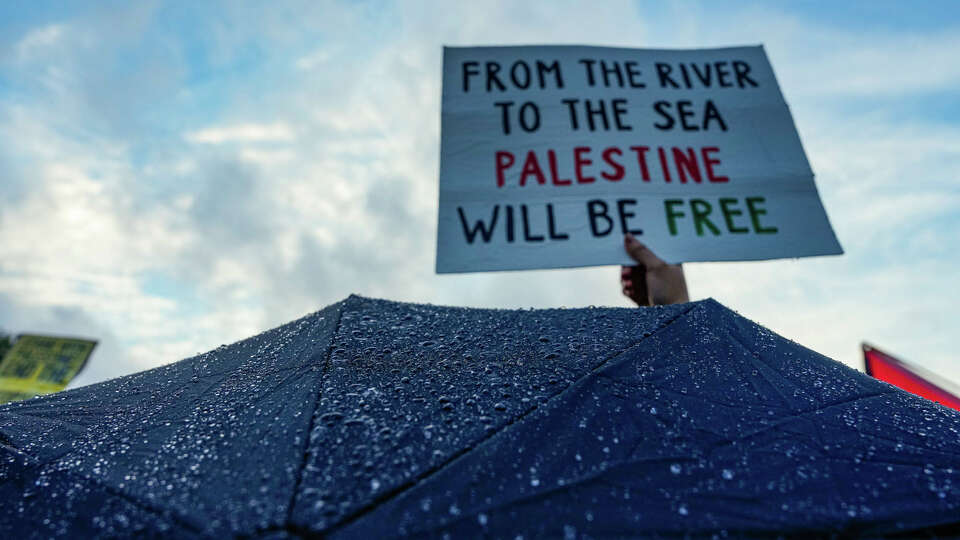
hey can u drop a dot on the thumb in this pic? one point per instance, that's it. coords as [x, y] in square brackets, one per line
[641, 253]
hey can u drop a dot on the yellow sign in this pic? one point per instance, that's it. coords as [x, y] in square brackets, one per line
[38, 365]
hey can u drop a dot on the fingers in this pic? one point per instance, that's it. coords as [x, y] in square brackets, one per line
[626, 282]
[641, 253]
[668, 286]
[633, 284]
[638, 277]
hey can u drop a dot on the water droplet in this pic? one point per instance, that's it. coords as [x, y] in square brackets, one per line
[675, 468]
[331, 418]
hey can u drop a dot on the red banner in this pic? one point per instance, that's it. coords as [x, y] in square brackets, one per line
[903, 375]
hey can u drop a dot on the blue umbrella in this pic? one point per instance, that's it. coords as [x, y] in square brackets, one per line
[377, 419]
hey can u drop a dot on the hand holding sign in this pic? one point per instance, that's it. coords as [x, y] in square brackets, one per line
[652, 281]
[550, 154]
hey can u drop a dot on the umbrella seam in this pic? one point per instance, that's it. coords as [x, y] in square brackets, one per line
[456, 456]
[817, 430]
[4, 441]
[159, 512]
[288, 522]
[754, 360]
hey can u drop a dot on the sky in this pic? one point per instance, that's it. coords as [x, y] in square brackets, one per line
[181, 175]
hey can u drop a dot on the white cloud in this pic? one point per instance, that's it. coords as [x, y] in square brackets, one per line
[275, 132]
[313, 60]
[37, 40]
[878, 66]
[266, 157]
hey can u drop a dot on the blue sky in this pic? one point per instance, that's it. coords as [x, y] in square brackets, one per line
[177, 175]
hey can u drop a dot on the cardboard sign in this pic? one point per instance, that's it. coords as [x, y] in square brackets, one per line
[549, 154]
[38, 365]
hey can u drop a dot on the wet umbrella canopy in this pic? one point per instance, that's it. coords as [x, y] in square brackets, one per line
[374, 419]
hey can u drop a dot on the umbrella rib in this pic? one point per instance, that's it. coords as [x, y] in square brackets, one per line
[400, 490]
[313, 413]
[755, 359]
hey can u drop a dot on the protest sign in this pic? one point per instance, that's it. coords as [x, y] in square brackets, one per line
[549, 154]
[37, 365]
